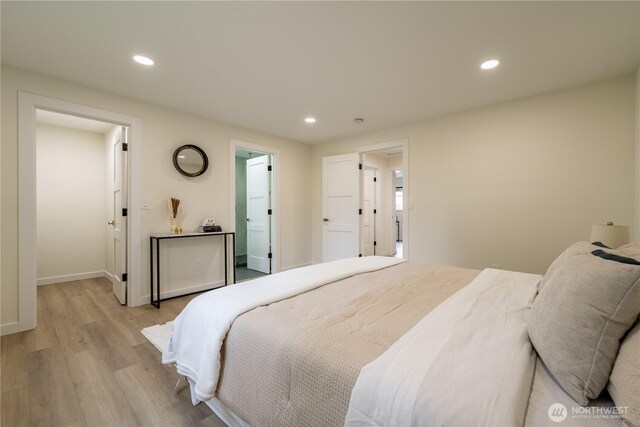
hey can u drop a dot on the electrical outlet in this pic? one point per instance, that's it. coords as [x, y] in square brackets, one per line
[197, 265]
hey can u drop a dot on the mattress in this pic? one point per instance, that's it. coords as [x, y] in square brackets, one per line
[295, 362]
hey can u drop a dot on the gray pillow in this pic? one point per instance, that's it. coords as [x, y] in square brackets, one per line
[624, 382]
[585, 306]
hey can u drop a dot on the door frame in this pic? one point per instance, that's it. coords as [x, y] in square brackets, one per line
[27, 246]
[275, 199]
[402, 143]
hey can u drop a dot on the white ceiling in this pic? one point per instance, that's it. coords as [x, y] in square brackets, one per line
[73, 122]
[267, 65]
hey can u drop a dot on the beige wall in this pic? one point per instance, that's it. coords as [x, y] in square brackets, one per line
[512, 184]
[70, 201]
[163, 130]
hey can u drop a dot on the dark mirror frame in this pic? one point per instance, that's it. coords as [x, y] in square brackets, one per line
[205, 160]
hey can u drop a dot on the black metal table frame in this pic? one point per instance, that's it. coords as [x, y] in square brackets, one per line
[157, 239]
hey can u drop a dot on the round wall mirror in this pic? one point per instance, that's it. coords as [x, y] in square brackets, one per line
[190, 160]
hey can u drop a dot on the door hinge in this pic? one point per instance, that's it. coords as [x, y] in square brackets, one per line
[125, 147]
[375, 243]
[359, 211]
[375, 211]
[124, 277]
[375, 179]
[124, 211]
[269, 168]
[269, 255]
[359, 165]
[269, 211]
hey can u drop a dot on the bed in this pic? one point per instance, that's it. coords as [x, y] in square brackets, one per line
[371, 341]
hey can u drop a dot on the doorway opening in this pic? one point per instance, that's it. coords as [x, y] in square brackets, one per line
[382, 205]
[28, 104]
[359, 202]
[398, 195]
[81, 184]
[253, 213]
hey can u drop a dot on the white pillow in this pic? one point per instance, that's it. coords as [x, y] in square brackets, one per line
[631, 250]
[624, 382]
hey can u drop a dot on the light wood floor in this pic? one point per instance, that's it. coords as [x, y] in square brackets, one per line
[87, 364]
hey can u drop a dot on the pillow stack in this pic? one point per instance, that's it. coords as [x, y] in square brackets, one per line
[624, 382]
[589, 299]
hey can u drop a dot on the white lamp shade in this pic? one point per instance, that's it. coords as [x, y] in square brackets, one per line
[613, 236]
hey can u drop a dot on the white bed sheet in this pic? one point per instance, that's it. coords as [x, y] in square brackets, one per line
[468, 362]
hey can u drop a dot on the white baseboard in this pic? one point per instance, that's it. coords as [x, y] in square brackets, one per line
[72, 277]
[9, 328]
[291, 267]
[179, 292]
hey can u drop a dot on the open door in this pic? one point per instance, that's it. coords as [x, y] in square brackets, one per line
[119, 217]
[368, 244]
[340, 206]
[258, 214]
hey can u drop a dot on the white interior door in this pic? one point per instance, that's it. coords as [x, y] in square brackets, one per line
[368, 215]
[258, 218]
[119, 220]
[340, 206]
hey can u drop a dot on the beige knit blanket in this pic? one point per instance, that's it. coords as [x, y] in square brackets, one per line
[295, 362]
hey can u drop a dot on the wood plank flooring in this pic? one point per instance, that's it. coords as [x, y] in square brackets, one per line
[87, 364]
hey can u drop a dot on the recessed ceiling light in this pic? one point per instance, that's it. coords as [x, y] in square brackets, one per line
[143, 60]
[487, 65]
[310, 120]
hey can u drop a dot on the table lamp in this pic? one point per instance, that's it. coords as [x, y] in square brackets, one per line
[611, 235]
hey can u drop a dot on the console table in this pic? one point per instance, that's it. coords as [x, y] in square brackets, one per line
[155, 249]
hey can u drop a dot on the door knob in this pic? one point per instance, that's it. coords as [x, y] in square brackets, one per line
[325, 219]
[248, 220]
[112, 222]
